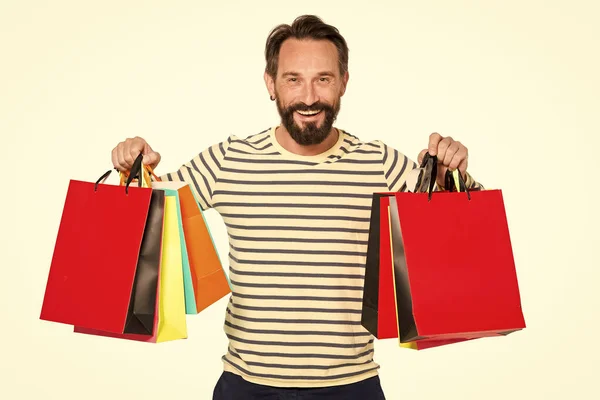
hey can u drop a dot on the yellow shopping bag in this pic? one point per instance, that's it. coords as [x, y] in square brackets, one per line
[171, 304]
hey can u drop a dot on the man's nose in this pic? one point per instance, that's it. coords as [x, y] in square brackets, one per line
[309, 95]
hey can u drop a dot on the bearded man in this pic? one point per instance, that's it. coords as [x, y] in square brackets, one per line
[296, 201]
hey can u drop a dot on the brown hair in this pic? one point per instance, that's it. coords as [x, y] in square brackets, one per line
[304, 27]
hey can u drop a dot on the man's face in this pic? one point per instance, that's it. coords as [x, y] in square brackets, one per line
[308, 88]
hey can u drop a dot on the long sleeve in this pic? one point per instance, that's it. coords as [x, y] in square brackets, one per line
[202, 173]
[396, 167]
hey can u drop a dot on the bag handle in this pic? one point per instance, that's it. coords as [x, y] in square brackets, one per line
[453, 179]
[128, 177]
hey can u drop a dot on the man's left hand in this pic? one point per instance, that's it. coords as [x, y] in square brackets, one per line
[450, 154]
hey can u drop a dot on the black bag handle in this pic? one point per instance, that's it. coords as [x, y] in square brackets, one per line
[135, 172]
[429, 164]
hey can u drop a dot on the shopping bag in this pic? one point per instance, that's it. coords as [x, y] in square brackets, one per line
[431, 293]
[190, 301]
[453, 265]
[103, 269]
[379, 302]
[170, 312]
[188, 284]
[209, 280]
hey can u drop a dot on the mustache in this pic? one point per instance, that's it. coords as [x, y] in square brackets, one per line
[313, 107]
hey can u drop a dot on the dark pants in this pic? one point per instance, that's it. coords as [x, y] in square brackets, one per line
[233, 387]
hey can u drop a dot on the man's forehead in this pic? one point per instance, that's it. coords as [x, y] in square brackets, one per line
[307, 54]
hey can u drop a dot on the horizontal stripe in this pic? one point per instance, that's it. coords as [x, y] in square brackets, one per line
[292, 205]
[308, 355]
[296, 298]
[307, 263]
[259, 141]
[299, 240]
[304, 252]
[294, 228]
[357, 142]
[299, 183]
[297, 344]
[296, 274]
[361, 151]
[358, 161]
[301, 171]
[299, 333]
[293, 194]
[269, 161]
[298, 309]
[302, 366]
[293, 321]
[252, 145]
[251, 153]
[299, 377]
[294, 286]
[297, 216]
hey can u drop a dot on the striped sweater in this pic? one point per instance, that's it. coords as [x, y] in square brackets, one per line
[298, 229]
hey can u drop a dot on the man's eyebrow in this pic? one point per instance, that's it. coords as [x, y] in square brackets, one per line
[295, 74]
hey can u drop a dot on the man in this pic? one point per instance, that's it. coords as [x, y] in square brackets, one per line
[296, 200]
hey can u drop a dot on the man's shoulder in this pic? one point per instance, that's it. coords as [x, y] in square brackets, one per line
[354, 142]
[256, 141]
[252, 142]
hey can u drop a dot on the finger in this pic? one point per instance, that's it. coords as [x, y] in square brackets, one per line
[114, 158]
[442, 147]
[457, 158]
[128, 157]
[137, 146]
[434, 140]
[152, 159]
[450, 152]
[133, 153]
[121, 157]
[421, 156]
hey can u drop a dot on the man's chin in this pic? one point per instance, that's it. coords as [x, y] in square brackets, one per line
[317, 124]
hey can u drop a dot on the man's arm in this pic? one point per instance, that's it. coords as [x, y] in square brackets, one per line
[396, 168]
[201, 173]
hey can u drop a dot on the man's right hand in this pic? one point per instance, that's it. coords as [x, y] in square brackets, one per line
[127, 151]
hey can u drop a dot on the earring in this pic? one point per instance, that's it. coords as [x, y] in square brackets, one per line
[272, 98]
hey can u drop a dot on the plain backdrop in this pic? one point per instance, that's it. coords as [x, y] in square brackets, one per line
[515, 81]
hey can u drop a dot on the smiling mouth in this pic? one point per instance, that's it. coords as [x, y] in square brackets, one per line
[308, 113]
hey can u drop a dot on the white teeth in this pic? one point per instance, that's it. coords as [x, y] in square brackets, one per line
[309, 112]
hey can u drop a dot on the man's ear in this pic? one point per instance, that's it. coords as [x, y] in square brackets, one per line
[344, 82]
[270, 84]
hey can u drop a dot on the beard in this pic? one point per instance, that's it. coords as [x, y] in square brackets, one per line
[311, 134]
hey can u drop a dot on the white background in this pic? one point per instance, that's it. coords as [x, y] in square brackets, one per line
[515, 81]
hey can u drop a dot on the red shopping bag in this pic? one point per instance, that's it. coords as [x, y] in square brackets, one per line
[169, 322]
[379, 299]
[432, 286]
[103, 273]
[454, 271]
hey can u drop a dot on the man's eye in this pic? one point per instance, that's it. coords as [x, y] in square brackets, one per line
[292, 79]
[324, 79]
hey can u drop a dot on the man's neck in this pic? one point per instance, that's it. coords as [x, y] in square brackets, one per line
[285, 140]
